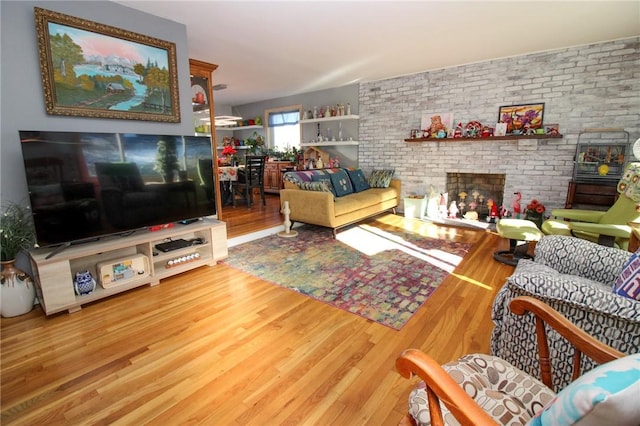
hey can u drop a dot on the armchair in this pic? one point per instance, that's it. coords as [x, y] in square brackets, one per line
[484, 390]
[576, 278]
[608, 228]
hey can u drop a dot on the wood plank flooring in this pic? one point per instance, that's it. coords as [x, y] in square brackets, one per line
[215, 346]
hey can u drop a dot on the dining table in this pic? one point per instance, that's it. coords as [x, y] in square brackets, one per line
[227, 175]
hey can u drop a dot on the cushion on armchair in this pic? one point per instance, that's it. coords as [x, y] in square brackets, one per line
[628, 282]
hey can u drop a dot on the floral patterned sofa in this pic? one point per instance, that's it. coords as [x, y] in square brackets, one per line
[337, 197]
[576, 277]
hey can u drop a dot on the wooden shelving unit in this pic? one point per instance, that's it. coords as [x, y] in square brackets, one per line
[53, 275]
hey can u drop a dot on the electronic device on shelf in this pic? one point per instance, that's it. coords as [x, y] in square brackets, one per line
[173, 245]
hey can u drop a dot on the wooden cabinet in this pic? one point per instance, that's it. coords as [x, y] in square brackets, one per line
[273, 171]
[591, 195]
[204, 112]
[53, 275]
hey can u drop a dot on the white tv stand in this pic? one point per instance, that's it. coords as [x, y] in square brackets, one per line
[54, 276]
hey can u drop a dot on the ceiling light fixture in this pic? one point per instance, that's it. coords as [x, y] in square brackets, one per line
[226, 120]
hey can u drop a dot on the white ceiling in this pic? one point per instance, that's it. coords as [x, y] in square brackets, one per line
[271, 49]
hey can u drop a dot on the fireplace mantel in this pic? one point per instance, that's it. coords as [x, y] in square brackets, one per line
[490, 138]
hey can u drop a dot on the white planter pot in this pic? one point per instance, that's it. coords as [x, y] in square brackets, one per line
[17, 291]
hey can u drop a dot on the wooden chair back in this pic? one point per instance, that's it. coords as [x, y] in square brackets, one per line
[441, 387]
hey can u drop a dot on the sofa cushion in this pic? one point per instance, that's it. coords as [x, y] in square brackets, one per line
[317, 177]
[362, 200]
[628, 283]
[322, 186]
[381, 178]
[358, 180]
[608, 392]
[341, 183]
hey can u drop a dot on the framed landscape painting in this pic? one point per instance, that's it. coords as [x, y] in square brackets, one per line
[518, 117]
[94, 70]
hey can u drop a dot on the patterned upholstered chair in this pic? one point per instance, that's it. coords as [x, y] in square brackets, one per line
[575, 277]
[486, 390]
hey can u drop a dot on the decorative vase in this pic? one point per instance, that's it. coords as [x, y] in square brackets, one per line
[17, 291]
[84, 283]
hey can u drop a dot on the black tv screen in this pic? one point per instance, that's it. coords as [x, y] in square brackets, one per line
[85, 185]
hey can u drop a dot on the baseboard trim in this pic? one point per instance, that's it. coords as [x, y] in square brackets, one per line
[231, 242]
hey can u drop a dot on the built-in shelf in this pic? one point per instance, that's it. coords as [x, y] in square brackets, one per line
[335, 143]
[334, 118]
[237, 147]
[234, 128]
[490, 138]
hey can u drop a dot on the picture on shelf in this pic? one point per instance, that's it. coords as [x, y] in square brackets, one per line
[552, 129]
[501, 129]
[520, 118]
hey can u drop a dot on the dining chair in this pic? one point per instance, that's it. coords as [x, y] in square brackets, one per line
[249, 178]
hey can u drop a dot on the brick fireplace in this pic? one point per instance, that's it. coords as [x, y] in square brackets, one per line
[479, 187]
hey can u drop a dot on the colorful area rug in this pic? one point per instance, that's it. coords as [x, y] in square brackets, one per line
[380, 275]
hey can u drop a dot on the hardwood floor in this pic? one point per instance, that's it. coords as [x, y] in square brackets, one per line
[215, 346]
[241, 220]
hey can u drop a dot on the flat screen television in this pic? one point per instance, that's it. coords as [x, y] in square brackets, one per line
[87, 185]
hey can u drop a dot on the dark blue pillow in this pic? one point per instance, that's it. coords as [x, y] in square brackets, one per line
[341, 183]
[324, 178]
[358, 180]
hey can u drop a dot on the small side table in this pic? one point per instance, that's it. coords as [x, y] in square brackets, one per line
[634, 241]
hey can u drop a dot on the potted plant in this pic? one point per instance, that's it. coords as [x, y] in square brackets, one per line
[255, 142]
[17, 233]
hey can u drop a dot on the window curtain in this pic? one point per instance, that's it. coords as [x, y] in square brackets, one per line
[279, 119]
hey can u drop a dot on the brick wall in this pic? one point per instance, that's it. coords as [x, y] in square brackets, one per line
[582, 87]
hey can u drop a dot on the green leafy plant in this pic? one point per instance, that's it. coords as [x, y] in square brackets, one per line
[255, 143]
[16, 231]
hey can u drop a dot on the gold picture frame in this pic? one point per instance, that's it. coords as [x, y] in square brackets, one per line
[95, 70]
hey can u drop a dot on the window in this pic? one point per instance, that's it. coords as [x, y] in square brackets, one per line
[283, 126]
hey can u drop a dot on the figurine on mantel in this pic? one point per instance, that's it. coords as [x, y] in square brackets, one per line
[458, 131]
[443, 204]
[453, 210]
[517, 208]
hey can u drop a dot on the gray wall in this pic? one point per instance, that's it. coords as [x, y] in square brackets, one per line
[583, 87]
[22, 106]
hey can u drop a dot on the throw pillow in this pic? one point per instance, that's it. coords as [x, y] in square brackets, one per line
[381, 178]
[358, 180]
[341, 183]
[322, 186]
[324, 178]
[628, 282]
[606, 393]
